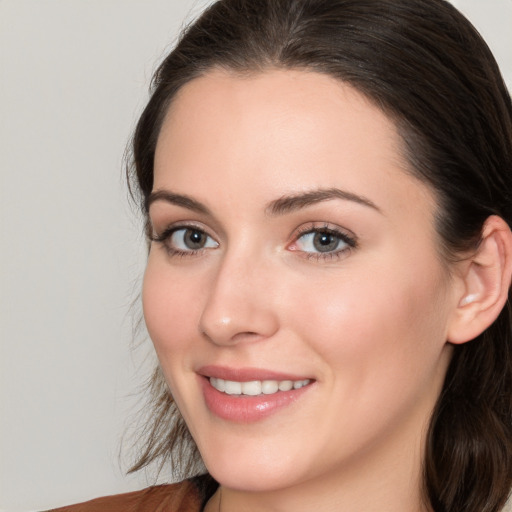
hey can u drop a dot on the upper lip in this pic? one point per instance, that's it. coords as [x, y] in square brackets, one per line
[246, 374]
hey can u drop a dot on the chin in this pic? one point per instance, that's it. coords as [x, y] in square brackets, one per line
[252, 478]
[260, 469]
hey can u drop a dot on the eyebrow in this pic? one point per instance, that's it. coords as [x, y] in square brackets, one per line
[291, 203]
[177, 199]
[280, 206]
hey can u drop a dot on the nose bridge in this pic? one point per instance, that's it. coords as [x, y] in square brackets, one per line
[238, 306]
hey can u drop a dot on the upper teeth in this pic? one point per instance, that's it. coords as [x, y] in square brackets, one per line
[256, 387]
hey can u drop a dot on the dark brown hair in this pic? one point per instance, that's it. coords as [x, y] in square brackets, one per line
[430, 71]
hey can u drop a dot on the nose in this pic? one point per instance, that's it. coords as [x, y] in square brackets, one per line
[239, 306]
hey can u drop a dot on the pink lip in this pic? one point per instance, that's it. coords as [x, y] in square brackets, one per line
[246, 374]
[243, 408]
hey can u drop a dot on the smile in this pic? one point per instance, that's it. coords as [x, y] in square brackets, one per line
[247, 395]
[256, 387]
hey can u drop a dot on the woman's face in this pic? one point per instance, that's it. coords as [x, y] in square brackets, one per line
[293, 250]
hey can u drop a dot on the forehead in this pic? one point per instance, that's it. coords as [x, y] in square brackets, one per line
[281, 131]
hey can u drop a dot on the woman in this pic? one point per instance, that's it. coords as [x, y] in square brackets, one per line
[327, 186]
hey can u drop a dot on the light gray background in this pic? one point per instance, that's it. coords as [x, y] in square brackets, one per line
[73, 77]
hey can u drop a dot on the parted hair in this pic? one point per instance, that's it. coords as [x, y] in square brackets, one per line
[429, 70]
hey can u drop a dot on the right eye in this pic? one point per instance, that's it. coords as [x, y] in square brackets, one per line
[186, 240]
[191, 239]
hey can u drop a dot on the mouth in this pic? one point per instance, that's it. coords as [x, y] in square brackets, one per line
[249, 395]
[256, 387]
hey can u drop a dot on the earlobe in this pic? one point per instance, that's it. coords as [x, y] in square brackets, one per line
[486, 283]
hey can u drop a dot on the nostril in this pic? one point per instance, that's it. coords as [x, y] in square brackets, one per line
[231, 339]
[228, 319]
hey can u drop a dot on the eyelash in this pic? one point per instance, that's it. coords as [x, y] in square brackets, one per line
[349, 240]
[166, 235]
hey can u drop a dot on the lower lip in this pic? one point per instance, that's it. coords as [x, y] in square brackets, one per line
[247, 409]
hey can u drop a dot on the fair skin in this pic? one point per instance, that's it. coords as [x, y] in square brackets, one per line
[344, 290]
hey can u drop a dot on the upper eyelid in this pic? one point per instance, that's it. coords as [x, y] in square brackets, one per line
[163, 221]
[323, 226]
[165, 237]
[175, 226]
[303, 229]
[347, 236]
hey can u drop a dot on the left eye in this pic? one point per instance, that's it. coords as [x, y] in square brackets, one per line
[190, 239]
[321, 242]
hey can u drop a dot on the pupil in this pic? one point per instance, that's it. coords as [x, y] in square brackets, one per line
[194, 239]
[325, 242]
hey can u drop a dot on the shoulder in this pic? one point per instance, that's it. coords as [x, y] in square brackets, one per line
[180, 497]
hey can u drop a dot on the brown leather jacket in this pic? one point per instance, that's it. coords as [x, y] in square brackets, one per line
[181, 497]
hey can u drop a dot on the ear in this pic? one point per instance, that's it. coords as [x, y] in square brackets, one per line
[486, 277]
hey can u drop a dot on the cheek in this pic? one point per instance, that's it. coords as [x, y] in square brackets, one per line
[382, 345]
[391, 324]
[169, 304]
